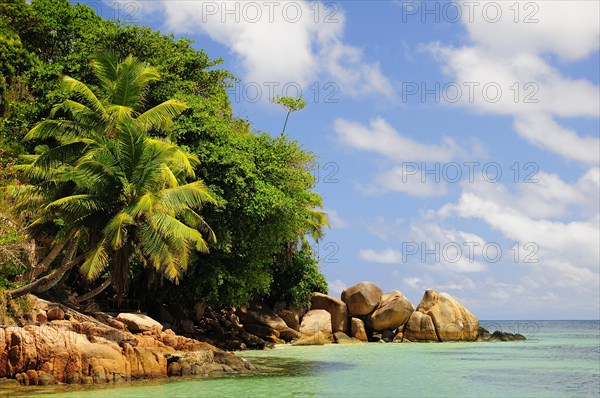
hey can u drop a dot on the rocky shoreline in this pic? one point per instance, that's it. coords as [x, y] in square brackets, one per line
[362, 314]
[61, 345]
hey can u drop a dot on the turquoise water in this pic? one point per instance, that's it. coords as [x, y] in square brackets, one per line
[560, 359]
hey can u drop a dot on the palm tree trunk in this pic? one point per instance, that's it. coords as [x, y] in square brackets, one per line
[45, 263]
[96, 291]
[49, 281]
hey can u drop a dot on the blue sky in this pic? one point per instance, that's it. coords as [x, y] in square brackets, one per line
[420, 106]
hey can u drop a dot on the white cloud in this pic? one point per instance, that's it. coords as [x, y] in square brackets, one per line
[387, 256]
[568, 28]
[412, 282]
[574, 240]
[409, 155]
[282, 42]
[512, 56]
[546, 195]
[382, 229]
[542, 131]
[380, 137]
[337, 287]
[335, 220]
[431, 245]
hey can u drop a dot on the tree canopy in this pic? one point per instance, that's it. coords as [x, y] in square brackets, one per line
[85, 137]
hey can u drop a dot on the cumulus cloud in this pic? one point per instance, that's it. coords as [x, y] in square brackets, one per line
[408, 155]
[428, 244]
[510, 57]
[335, 220]
[387, 256]
[574, 240]
[380, 137]
[295, 42]
[337, 287]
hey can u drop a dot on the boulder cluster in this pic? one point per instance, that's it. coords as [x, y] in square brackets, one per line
[60, 345]
[365, 313]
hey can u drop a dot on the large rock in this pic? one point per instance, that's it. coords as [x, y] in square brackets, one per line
[343, 338]
[452, 321]
[289, 335]
[420, 328]
[357, 330]
[290, 317]
[261, 315]
[392, 313]
[85, 350]
[336, 307]
[362, 298]
[138, 323]
[315, 321]
[315, 339]
[55, 314]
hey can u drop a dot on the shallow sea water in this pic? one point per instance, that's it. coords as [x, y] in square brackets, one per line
[559, 359]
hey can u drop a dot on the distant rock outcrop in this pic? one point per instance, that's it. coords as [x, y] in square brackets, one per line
[452, 321]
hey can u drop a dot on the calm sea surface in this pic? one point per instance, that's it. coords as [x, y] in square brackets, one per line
[560, 359]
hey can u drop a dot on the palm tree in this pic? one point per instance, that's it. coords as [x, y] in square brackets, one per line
[122, 91]
[115, 191]
[130, 202]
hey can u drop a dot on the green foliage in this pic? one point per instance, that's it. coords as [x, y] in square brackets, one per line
[290, 104]
[109, 181]
[294, 281]
[265, 203]
[262, 185]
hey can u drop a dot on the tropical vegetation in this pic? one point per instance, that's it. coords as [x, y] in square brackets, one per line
[124, 171]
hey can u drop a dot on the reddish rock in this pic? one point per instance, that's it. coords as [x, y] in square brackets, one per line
[84, 350]
[55, 314]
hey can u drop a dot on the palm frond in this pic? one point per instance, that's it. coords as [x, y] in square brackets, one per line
[161, 113]
[172, 227]
[115, 230]
[96, 262]
[193, 195]
[86, 95]
[54, 128]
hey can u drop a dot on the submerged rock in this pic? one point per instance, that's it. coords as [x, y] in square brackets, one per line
[318, 338]
[343, 338]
